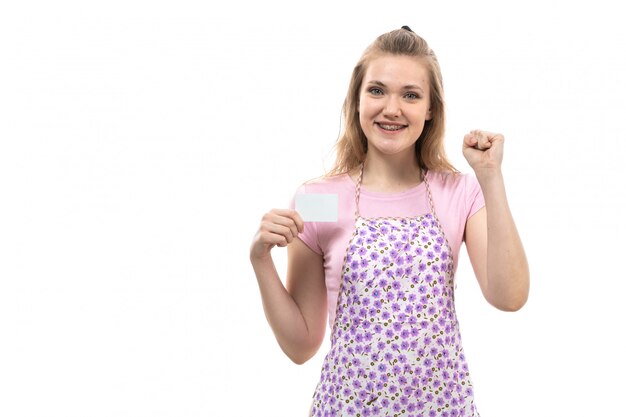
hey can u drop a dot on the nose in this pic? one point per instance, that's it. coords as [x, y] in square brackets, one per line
[392, 107]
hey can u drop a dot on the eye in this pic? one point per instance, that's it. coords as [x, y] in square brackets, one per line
[375, 91]
[412, 96]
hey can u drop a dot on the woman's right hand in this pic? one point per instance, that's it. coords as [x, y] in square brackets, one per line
[296, 309]
[279, 227]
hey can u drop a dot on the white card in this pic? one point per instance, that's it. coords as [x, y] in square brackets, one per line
[318, 207]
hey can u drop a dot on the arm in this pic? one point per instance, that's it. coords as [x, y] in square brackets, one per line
[295, 312]
[493, 243]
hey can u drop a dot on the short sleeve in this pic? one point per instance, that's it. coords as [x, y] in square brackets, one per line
[309, 235]
[473, 195]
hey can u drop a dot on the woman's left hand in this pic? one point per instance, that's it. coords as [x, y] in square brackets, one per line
[493, 244]
[483, 150]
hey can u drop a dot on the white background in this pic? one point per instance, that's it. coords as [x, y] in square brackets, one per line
[141, 142]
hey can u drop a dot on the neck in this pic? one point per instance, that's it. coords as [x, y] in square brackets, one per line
[390, 173]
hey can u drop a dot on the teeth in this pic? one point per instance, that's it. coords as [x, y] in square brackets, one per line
[391, 127]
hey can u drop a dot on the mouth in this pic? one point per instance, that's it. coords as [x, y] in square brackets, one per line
[390, 127]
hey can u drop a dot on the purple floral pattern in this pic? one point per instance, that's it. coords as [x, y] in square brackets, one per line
[396, 347]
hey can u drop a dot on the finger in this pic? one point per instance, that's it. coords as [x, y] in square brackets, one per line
[279, 229]
[299, 221]
[496, 137]
[287, 222]
[268, 239]
[469, 140]
[482, 140]
[273, 239]
[293, 215]
[493, 136]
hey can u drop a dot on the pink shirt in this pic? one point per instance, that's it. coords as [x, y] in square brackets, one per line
[456, 198]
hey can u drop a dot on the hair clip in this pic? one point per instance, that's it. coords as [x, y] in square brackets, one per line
[407, 28]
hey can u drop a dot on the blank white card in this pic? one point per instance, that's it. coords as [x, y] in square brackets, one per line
[318, 207]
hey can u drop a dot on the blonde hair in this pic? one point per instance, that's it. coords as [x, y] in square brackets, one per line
[351, 146]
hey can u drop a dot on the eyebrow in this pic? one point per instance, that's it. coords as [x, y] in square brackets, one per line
[406, 87]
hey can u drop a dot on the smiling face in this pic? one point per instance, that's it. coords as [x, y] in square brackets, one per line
[394, 103]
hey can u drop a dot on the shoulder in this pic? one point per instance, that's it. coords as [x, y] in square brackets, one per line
[461, 193]
[451, 181]
[326, 184]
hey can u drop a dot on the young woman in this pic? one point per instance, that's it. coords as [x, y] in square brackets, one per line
[383, 274]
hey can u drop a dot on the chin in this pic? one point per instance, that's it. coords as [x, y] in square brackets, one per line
[392, 150]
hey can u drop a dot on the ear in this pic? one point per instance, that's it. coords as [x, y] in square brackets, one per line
[429, 114]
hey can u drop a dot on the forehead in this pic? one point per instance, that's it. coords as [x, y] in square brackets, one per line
[397, 70]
